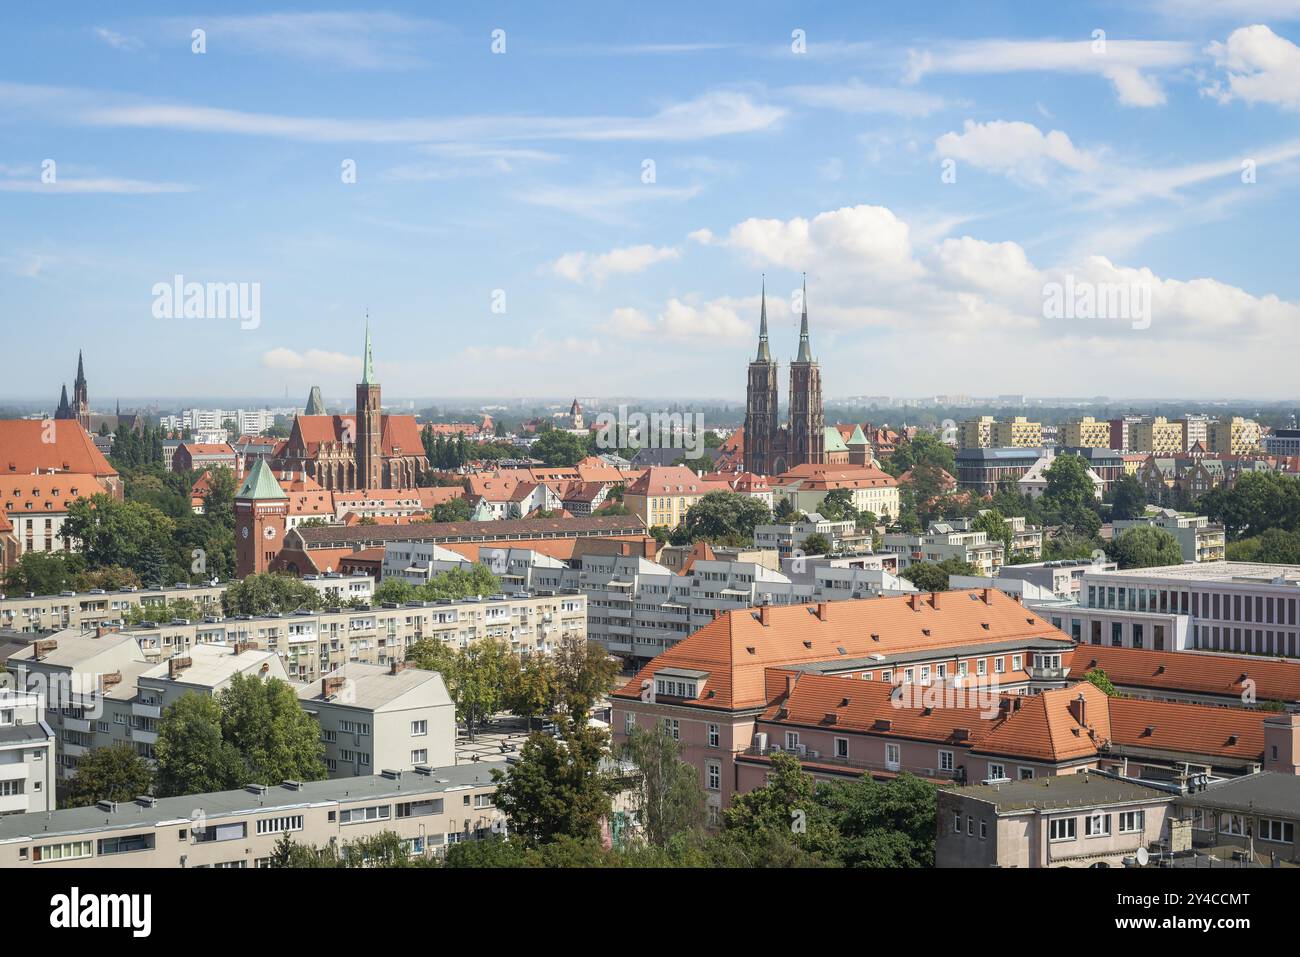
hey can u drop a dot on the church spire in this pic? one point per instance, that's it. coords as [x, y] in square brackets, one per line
[81, 371]
[764, 354]
[368, 369]
[805, 349]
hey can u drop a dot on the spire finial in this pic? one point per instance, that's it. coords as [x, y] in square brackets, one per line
[805, 348]
[764, 354]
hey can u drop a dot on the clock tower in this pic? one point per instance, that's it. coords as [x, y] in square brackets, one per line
[261, 513]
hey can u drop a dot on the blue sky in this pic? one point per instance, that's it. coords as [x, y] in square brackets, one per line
[932, 168]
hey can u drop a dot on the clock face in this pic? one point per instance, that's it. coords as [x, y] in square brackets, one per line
[244, 531]
[270, 532]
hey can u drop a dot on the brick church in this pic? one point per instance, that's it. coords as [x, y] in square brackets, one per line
[362, 451]
[772, 447]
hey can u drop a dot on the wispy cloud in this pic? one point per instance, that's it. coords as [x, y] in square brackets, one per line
[857, 97]
[603, 203]
[118, 41]
[1128, 64]
[583, 267]
[64, 185]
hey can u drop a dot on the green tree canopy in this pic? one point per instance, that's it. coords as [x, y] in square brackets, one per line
[723, 518]
[933, 576]
[559, 448]
[1145, 546]
[265, 593]
[112, 773]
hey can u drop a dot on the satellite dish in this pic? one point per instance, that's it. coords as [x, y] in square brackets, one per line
[1143, 857]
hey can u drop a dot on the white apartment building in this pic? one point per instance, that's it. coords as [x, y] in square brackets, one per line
[1199, 539]
[944, 541]
[335, 588]
[786, 538]
[34, 614]
[26, 754]
[374, 718]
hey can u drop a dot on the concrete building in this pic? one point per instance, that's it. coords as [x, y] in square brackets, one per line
[430, 809]
[1158, 436]
[373, 717]
[976, 433]
[982, 470]
[27, 754]
[1199, 539]
[1060, 579]
[1076, 820]
[1234, 436]
[1283, 442]
[784, 539]
[1255, 817]
[663, 495]
[337, 589]
[943, 541]
[1086, 432]
[1017, 432]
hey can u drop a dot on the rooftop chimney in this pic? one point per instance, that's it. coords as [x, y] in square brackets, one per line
[934, 600]
[176, 665]
[764, 615]
[42, 648]
[1079, 708]
[984, 595]
[331, 685]
[822, 609]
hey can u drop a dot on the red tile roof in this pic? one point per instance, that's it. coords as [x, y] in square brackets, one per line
[814, 477]
[45, 494]
[1274, 680]
[24, 449]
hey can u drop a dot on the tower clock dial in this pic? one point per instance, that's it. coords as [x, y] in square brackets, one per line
[270, 532]
[244, 531]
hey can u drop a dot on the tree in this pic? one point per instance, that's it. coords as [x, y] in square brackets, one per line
[997, 528]
[264, 593]
[881, 824]
[933, 576]
[838, 505]
[724, 517]
[780, 819]
[559, 448]
[191, 754]
[277, 739]
[44, 573]
[816, 544]
[478, 677]
[1144, 547]
[667, 793]
[1102, 680]
[585, 673]
[1128, 498]
[1274, 546]
[128, 534]
[454, 510]
[557, 788]
[1068, 484]
[112, 773]
[535, 688]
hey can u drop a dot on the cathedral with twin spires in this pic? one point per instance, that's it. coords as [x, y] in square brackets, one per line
[772, 447]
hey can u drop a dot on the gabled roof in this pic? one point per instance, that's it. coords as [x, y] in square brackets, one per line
[1274, 680]
[25, 448]
[834, 441]
[1188, 728]
[1044, 727]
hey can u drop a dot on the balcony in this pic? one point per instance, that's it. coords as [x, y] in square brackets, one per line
[77, 724]
[73, 750]
[855, 763]
[15, 771]
[143, 736]
[15, 803]
[146, 710]
[1047, 674]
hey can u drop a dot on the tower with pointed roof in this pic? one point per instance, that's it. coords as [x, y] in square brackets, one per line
[261, 514]
[369, 425]
[315, 405]
[772, 448]
[81, 396]
[762, 428]
[807, 420]
[64, 411]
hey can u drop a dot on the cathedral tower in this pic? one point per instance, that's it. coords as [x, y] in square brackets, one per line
[807, 420]
[761, 426]
[369, 426]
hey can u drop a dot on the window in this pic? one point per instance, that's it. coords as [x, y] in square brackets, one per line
[220, 832]
[376, 812]
[629, 722]
[999, 665]
[1232, 824]
[792, 740]
[61, 852]
[279, 825]
[1130, 821]
[1096, 825]
[11, 788]
[1280, 832]
[984, 830]
[893, 757]
[1061, 829]
[1026, 774]
[713, 735]
[956, 823]
[945, 761]
[714, 776]
[970, 826]
[673, 728]
[419, 728]
[420, 756]
[981, 667]
[997, 771]
[841, 747]
[1017, 662]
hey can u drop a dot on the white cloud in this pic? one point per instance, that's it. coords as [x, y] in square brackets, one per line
[602, 202]
[689, 320]
[1021, 150]
[312, 361]
[856, 97]
[1126, 63]
[1261, 67]
[63, 185]
[870, 240]
[118, 41]
[585, 267]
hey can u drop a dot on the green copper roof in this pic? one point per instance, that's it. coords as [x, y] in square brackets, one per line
[261, 483]
[857, 438]
[368, 372]
[834, 441]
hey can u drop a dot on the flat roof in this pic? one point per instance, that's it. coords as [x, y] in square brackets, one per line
[1061, 792]
[74, 647]
[1226, 572]
[211, 664]
[1265, 793]
[372, 687]
[138, 816]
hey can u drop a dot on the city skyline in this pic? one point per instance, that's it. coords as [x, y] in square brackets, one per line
[604, 210]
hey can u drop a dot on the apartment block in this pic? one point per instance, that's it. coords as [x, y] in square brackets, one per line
[26, 754]
[34, 614]
[1158, 436]
[1017, 432]
[975, 433]
[1283, 442]
[943, 541]
[1087, 432]
[1234, 436]
[1199, 539]
[373, 717]
[429, 808]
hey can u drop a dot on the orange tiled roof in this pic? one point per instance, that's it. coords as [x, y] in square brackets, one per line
[814, 477]
[1044, 726]
[674, 480]
[736, 648]
[45, 494]
[1188, 728]
[24, 451]
[1275, 680]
